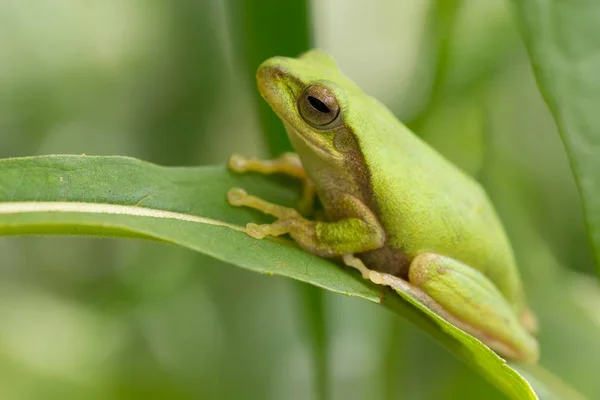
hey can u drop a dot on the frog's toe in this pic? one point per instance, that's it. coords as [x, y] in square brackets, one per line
[529, 321]
[237, 196]
[355, 262]
[257, 231]
[238, 163]
[375, 277]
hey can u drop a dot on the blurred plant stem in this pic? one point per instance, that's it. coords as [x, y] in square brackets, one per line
[263, 29]
[439, 28]
[391, 360]
[188, 85]
[258, 32]
[313, 306]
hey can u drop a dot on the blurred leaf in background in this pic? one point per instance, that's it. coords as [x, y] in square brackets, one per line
[172, 83]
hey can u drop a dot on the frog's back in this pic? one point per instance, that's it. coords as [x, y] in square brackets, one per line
[432, 206]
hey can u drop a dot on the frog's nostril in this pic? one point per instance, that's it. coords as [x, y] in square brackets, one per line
[267, 72]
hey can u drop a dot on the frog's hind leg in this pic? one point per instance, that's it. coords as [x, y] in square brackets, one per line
[287, 164]
[473, 299]
[464, 297]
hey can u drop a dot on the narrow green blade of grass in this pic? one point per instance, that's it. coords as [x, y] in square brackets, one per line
[170, 116]
[263, 29]
[260, 33]
[117, 196]
[563, 40]
[441, 25]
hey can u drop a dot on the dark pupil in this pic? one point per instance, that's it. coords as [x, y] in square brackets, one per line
[318, 105]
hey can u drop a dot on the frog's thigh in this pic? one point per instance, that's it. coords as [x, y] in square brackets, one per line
[287, 164]
[473, 299]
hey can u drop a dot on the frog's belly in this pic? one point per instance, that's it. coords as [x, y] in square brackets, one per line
[481, 252]
[387, 259]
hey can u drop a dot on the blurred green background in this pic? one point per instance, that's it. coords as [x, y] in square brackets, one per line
[173, 83]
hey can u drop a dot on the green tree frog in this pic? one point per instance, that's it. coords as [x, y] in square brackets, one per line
[392, 205]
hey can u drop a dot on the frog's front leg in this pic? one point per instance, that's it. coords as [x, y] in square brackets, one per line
[287, 164]
[326, 239]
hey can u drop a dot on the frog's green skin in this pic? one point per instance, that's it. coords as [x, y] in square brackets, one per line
[393, 201]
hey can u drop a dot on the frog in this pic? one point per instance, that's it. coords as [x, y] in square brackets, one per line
[392, 206]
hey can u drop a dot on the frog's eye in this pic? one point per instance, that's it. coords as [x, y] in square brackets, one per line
[318, 106]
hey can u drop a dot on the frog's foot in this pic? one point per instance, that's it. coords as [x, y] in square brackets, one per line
[287, 217]
[288, 164]
[326, 239]
[529, 321]
[239, 198]
[355, 262]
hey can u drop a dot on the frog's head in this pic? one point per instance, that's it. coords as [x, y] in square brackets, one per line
[313, 99]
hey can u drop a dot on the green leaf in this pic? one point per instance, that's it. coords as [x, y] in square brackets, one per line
[119, 196]
[563, 41]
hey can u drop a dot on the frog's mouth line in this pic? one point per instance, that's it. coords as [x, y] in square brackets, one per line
[323, 151]
[310, 142]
